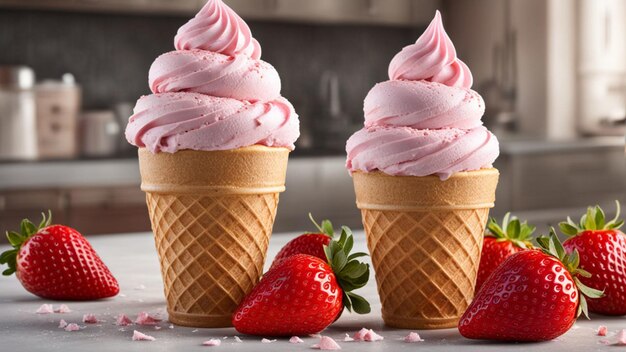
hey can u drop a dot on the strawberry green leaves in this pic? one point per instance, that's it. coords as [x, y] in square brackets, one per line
[16, 239]
[351, 274]
[593, 219]
[571, 261]
[326, 227]
[512, 229]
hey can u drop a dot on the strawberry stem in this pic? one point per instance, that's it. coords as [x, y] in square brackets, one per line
[593, 219]
[512, 229]
[17, 239]
[351, 274]
[326, 228]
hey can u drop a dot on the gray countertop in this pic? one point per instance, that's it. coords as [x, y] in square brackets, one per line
[133, 260]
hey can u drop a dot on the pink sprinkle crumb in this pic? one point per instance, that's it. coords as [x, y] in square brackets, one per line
[237, 339]
[144, 318]
[90, 319]
[621, 338]
[315, 335]
[602, 330]
[348, 338]
[62, 324]
[295, 339]
[123, 320]
[171, 326]
[360, 334]
[327, 344]
[63, 308]
[72, 327]
[367, 335]
[413, 337]
[267, 341]
[45, 309]
[138, 336]
[212, 342]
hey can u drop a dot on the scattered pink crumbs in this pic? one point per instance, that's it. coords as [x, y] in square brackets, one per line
[267, 341]
[413, 337]
[63, 308]
[62, 324]
[327, 344]
[621, 338]
[72, 327]
[212, 342]
[138, 336]
[602, 330]
[367, 335]
[144, 318]
[45, 309]
[295, 339]
[347, 338]
[90, 319]
[123, 320]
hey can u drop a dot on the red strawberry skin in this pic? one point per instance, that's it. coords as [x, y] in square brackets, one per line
[493, 254]
[603, 255]
[58, 263]
[298, 296]
[530, 297]
[311, 244]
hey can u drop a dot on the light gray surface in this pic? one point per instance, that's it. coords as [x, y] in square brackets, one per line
[133, 260]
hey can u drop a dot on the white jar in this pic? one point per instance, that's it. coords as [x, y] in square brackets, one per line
[18, 128]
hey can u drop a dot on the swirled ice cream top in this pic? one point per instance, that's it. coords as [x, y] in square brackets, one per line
[425, 120]
[213, 92]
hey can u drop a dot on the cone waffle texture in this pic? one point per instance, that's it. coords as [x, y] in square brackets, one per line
[425, 238]
[212, 214]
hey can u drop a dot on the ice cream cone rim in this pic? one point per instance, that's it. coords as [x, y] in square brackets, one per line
[422, 208]
[208, 190]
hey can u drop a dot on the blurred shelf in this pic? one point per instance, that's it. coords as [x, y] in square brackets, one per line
[513, 146]
[69, 174]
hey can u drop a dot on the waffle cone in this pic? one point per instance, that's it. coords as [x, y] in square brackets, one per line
[425, 237]
[212, 214]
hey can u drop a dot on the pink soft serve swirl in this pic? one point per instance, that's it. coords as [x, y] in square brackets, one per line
[432, 58]
[425, 120]
[219, 29]
[213, 92]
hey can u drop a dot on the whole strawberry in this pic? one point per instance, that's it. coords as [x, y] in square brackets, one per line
[308, 243]
[502, 242]
[602, 248]
[303, 294]
[57, 262]
[533, 296]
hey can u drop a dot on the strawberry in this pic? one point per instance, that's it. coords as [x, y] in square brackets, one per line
[303, 294]
[308, 243]
[502, 242]
[533, 296]
[602, 248]
[57, 262]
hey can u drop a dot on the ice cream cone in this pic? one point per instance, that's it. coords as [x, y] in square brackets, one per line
[212, 214]
[425, 238]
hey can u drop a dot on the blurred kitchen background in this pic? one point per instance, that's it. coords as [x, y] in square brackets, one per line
[552, 73]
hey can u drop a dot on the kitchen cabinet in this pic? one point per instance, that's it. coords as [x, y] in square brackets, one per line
[382, 12]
